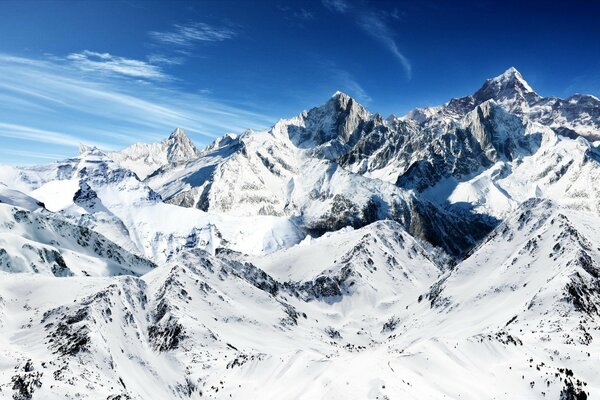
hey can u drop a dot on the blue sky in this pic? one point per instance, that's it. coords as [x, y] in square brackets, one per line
[111, 73]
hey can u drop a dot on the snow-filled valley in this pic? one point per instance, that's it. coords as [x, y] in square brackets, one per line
[453, 252]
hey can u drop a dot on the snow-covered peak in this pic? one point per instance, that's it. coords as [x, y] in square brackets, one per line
[85, 150]
[145, 158]
[178, 133]
[509, 89]
[340, 95]
[179, 147]
[509, 78]
[338, 120]
[341, 101]
[512, 74]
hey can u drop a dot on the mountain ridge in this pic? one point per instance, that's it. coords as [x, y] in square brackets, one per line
[452, 252]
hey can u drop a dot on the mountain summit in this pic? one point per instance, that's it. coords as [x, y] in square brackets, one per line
[179, 147]
[144, 158]
[508, 88]
[339, 120]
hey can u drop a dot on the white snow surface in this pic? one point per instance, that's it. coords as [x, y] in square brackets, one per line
[279, 265]
[204, 326]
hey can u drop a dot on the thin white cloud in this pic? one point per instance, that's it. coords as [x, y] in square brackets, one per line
[303, 14]
[28, 133]
[164, 60]
[352, 87]
[34, 154]
[344, 81]
[92, 61]
[340, 6]
[374, 25]
[74, 106]
[190, 34]
[397, 14]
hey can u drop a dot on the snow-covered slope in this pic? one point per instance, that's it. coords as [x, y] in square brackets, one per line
[502, 323]
[449, 253]
[373, 263]
[562, 169]
[291, 171]
[205, 325]
[93, 191]
[39, 242]
[19, 199]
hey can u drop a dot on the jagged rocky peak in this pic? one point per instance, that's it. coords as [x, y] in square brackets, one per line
[341, 103]
[339, 119]
[509, 86]
[180, 147]
[84, 149]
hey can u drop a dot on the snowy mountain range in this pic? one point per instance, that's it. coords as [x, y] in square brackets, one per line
[453, 252]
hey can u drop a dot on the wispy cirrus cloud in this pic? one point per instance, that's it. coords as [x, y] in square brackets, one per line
[297, 16]
[37, 135]
[303, 14]
[340, 6]
[348, 84]
[73, 106]
[375, 25]
[34, 155]
[107, 63]
[186, 35]
[377, 28]
[344, 81]
[162, 59]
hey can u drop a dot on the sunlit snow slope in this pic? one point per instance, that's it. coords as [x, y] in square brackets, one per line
[453, 252]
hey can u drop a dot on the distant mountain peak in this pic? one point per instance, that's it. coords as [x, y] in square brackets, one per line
[180, 147]
[83, 148]
[90, 150]
[341, 102]
[509, 80]
[145, 158]
[178, 133]
[508, 87]
[512, 77]
[339, 119]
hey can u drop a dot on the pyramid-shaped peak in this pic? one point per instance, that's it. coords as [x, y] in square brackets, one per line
[178, 133]
[508, 87]
[342, 101]
[340, 95]
[512, 71]
[510, 78]
[180, 147]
